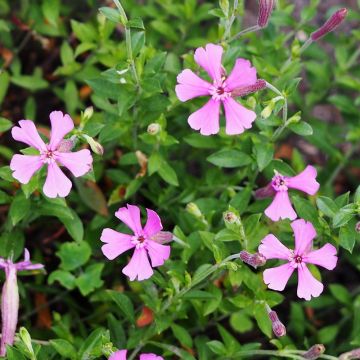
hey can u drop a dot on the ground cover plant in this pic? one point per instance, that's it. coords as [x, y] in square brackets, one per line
[179, 179]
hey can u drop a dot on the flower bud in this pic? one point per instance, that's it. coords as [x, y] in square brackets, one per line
[66, 145]
[162, 237]
[193, 209]
[357, 227]
[253, 260]
[246, 90]
[230, 217]
[354, 354]
[335, 20]
[88, 113]
[265, 192]
[266, 112]
[95, 146]
[314, 352]
[265, 10]
[154, 128]
[278, 327]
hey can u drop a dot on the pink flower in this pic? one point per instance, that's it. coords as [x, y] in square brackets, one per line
[276, 278]
[121, 355]
[221, 90]
[144, 241]
[281, 207]
[52, 155]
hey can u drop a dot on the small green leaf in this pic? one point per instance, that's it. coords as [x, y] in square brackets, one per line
[264, 155]
[64, 348]
[74, 255]
[90, 279]
[229, 158]
[111, 14]
[182, 335]
[19, 208]
[301, 128]
[65, 278]
[124, 304]
[5, 124]
[327, 206]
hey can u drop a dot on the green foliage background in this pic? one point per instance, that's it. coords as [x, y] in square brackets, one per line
[69, 55]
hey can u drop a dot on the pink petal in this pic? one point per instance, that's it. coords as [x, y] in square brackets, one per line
[280, 208]
[78, 162]
[238, 118]
[60, 125]
[206, 119]
[158, 253]
[191, 86]
[130, 215]
[308, 286]
[28, 134]
[116, 243]
[242, 74]
[56, 183]
[272, 248]
[325, 257]
[153, 224]
[305, 181]
[150, 357]
[24, 167]
[304, 234]
[276, 278]
[139, 266]
[118, 355]
[210, 60]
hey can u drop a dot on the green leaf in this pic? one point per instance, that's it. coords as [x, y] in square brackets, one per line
[19, 208]
[64, 348]
[229, 158]
[301, 128]
[111, 14]
[327, 206]
[264, 154]
[217, 347]
[168, 174]
[93, 344]
[124, 304]
[182, 335]
[74, 255]
[262, 319]
[240, 322]
[347, 237]
[74, 226]
[4, 84]
[65, 278]
[201, 142]
[341, 293]
[51, 10]
[344, 215]
[136, 23]
[90, 279]
[5, 124]
[198, 294]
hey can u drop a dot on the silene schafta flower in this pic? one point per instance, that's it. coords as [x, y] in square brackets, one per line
[147, 242]
[10, 298]
[222, 90]
[56, 152]
[121, 355]
[281, 207]
[303, 254]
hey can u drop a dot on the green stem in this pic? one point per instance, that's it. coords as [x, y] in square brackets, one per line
[231, 20]
[245, 31]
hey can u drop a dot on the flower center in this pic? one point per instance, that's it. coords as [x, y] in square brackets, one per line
[279, 183]
[218, 90]
[298, 259]
[139, 241]
[48, 156]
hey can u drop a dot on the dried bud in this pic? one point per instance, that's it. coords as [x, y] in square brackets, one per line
[163, 237]
[314, 352]
[265, 10]
[335, 20]
[357, 227]
[278, 327]
[253, 260]
[354, 354]
[246, 90]
[154, 129]
[230, 217]
[193, 209]
[66, 145]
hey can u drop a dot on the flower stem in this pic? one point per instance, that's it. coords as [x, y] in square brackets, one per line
[245, 31]
[231, 20]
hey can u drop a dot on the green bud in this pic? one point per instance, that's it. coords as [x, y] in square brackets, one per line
[193, 209]
[251, 102]
[154, 128]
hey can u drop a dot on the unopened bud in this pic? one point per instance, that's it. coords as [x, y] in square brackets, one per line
[246, 90]
[95, 146]
[357, 227]
[278, 327]
[154, 128]
[66, 145]
[267, 110]
[314, 352]
[265, 10]
[193, 209]
[265, 192]
[354, 354]
[335, 20]
[230, 217]
[253, 260]
[163, 237]
[88, 113]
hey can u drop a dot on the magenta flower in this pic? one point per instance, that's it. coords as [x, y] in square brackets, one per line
[144, 241]
[52, 155]
[10, 298]
[221, 90]
[121, 355]
[281, 207]
[276, 278]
